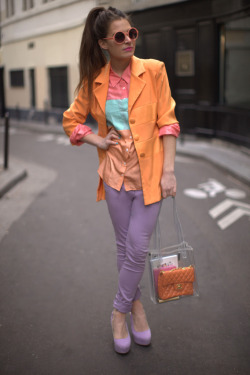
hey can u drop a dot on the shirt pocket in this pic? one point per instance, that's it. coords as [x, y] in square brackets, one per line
[143, 114]
[150, 147]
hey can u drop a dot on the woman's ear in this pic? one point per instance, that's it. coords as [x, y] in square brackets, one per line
[103, 44]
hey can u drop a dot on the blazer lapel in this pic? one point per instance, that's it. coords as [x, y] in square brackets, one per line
[101, 84]
[137, 84]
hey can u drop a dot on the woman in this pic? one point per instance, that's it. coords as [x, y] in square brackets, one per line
[131, 101]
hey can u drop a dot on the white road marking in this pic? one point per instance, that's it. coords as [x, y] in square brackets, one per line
[207, 189]
[212, 187]
[195, 193]
[235, 194]
[46, 138]
[229, 219]
[241, 209]
[11, 130]
[59, 139]
[63, 140]
[225, 205]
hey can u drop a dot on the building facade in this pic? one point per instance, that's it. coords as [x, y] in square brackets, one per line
[205, 45]
[206, 48]
[39, 55]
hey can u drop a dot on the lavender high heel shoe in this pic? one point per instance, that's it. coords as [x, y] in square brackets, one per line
[140, 338]
[122, 346]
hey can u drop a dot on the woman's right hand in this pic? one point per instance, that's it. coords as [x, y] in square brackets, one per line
[103, 143]
[110, 139]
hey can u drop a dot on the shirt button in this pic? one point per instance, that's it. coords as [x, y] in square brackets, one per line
[130, 137]
[122, 174]
[132, 121]
[136, 137]
[142, 155]
[124, 163]
[127, 149]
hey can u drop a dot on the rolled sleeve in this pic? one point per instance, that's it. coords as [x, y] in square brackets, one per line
[77, 113]
[78, 133]
[172, 129]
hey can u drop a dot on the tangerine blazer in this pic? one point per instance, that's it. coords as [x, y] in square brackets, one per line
[150, 107]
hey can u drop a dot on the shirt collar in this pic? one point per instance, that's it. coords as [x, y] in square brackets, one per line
[115, 79]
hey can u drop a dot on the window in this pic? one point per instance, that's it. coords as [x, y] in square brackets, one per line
[185, 84]
[32, 88]
[235, 57]
[28, 4]
[10, 8]
[59, 87]
[16, 78]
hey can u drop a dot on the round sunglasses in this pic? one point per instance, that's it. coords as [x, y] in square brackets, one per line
[120, 36]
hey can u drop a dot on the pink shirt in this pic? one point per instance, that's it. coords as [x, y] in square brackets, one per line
[121, 165]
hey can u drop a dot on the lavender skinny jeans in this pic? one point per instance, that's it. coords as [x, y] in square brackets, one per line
[133, 224]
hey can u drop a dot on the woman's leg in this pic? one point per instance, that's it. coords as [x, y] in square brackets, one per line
[133, 223]
[119, 205]
[141, 225]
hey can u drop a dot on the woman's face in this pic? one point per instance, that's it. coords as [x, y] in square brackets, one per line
[124, 50]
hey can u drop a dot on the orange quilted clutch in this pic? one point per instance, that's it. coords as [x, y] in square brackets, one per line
[177, 282]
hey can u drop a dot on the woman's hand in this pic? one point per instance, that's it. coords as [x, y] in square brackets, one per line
[110, 139]
[168, 184]
[103, 143]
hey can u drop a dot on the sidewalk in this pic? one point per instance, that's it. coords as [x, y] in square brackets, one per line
[224, 155]
[229, 157]
[16, 172]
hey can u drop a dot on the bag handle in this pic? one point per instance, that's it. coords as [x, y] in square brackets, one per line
[177, 224]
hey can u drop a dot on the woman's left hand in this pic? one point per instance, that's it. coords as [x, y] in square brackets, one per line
[168, 184]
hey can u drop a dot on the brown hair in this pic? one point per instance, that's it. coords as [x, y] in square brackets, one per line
[91, 57]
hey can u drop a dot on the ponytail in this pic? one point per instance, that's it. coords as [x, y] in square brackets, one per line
[91, 57]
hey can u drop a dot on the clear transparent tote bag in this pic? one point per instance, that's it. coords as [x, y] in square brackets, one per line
[172, 271]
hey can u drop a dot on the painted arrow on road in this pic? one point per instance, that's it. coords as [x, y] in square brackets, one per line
[241, 209]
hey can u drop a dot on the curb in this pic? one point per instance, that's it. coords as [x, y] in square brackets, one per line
[235, 163]
[244, 179]
[11, 178]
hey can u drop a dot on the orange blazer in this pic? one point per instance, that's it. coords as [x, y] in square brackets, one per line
[150, 106]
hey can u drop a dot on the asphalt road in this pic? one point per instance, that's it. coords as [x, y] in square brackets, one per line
[58, 271]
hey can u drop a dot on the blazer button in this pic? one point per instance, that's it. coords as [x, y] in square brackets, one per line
[142, 155]
[136, 137]
[132, 121]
